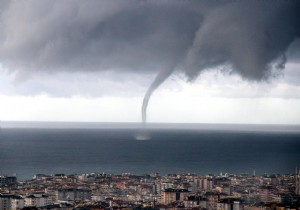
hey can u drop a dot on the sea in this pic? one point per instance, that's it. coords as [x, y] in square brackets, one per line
[29, 148]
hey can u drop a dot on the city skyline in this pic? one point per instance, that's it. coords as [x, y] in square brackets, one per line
[152, 191]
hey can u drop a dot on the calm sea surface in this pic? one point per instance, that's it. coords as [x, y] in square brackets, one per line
[28, 151]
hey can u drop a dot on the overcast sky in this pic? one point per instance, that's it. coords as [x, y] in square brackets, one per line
[198, 61]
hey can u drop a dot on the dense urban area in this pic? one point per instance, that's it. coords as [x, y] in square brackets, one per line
[153, 191]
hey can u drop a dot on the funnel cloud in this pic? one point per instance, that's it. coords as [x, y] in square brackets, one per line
[160, 78]
[249, 38]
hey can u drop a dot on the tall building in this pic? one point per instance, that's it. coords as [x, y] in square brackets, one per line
[17, 202]
[171, 195]
[8, 180]
[297, 179]
[11, 202]
[5, 202]
[228, 204]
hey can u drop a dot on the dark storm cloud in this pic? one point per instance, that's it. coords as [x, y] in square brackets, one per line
[146, 35]
[95, 35]
[250, 37]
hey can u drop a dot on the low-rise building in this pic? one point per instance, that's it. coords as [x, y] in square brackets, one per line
[73, 194]
[36, 200]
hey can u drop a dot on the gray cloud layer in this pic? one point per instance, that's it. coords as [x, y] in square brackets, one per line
[95, 35]
[250, 37]
[146, 35]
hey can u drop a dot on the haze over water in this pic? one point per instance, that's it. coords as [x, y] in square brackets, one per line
[28, 148]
